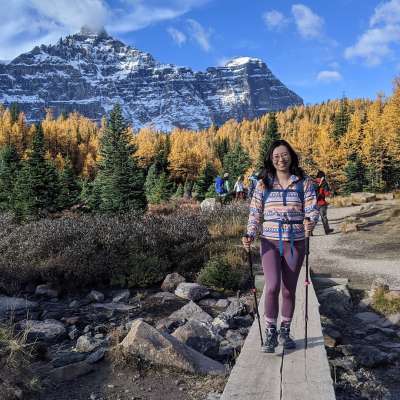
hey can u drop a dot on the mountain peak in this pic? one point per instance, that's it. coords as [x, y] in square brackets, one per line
[87, 30]
[239, 61]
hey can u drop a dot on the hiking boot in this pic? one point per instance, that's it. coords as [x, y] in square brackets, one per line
[285, 339]
[271, 340]
[330, 230]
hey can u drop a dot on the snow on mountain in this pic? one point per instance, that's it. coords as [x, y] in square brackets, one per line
[89, 72]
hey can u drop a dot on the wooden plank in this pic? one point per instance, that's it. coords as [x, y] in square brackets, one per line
[306, 373]
[255, 376]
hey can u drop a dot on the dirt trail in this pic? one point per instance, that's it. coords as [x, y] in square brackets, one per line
[361, 256]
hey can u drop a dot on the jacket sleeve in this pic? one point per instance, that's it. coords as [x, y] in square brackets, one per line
[311, 209]
[256, 210]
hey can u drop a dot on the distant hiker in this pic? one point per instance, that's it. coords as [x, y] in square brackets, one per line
[282, 199]
[252, 185]
[238, 188]
[222, 188]
[322, 188]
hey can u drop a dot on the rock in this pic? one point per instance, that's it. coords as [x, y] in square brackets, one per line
[323, 282]
[222, 303]
[385, 196]
[172, 281]
[96, 296]
[16, 305]
[198, 336]
[68, 357]
[121, 307]
[378, 284]
[392, 295]
[362, 197]
[394, 318]
[335, 300]
[242, 321]
[96, 356]
[191, 291]
[164, 297]
[235, 338]
[70, 320]
[347, 227]
[164, 349]
[210, 204]
[191, 311]
[208, 302]
[214, 396]
[70, 372]
[220, 324]
[390, 345]
[375, 338]
[46, 290]
[73, 333]
[122, 295]
[332, 337]
[365, 303]
[48, 330]
[368, 317]
[367, 356]
[86, 344]
[346, 363]
[226, 350]
[74, 304]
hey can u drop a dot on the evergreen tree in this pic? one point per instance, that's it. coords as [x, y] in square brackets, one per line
[120, 181]
[14, 111]
[156, 186]
[355, 176]
[37, 186]
[221, 147]
[9, 164]
[69, 188]
[205, 179]
[179, 191]
[270, 135]
[341, 120]
[236, 162]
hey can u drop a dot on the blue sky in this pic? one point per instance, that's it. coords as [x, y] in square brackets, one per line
[319, 49]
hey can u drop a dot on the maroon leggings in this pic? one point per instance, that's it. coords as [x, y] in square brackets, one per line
[277, 269]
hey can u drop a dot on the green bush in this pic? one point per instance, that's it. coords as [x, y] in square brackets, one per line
[218, 274]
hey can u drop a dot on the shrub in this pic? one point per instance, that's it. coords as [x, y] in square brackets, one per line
[93, 249]
[219, 275]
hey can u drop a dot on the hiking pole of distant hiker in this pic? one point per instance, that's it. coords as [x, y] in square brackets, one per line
[306, 283]
[254, 290]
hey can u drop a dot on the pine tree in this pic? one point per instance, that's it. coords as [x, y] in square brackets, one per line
[206, 178]
[69, 188]
[14, 111]
[236, 162]
[119, 180]
[179, 191]
[221, 147]
[9, 165]
[342, 119]
[37, 186]
[355, 176]
[270, 135]
[156, 186]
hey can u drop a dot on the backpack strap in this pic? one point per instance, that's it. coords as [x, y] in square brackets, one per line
[300, 189]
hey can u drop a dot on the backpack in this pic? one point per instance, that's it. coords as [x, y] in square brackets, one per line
[219, 185]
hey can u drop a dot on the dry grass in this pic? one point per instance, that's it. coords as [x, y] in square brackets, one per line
[385, 303]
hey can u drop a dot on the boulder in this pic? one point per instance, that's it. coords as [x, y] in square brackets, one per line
[46, 290]
[367, 356]
[335, 300]
[67, 357]
[96, 296]
[122, 295]
[362, 197]
[86, 344]
[191, 291]
[16, 305]
[164, 297]
[332, 337]
[96, 356]
[222, 303]
[347, 227]
[163, 349]
[115, 306]
[208, 302]
[70, 372]
[48, 330]
[368, 317]
[235, 339]
[198, 336]
[189, 312]
[210, 204]
[172, 281]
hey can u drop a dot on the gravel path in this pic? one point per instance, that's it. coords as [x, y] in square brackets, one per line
[360, 256]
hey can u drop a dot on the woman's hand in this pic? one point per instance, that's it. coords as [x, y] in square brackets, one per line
[308, 226]
[247, 241]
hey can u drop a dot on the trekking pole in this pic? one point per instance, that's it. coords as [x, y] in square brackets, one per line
[306, 283]
[254, 290]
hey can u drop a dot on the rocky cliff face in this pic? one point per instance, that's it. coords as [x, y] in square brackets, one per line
[89, 72]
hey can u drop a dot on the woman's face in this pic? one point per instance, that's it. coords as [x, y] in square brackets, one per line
[281, 159]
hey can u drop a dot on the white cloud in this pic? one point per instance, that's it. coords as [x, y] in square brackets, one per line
[374, 45]
[26, 23]
[329, 76]
[178, 37]
[200, 34]
[308, 23]
[275, 20]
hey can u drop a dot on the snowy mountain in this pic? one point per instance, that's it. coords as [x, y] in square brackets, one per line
[89, 72]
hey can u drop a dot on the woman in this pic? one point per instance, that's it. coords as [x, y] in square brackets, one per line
[239, 189]
[284, 197]
[323, 190]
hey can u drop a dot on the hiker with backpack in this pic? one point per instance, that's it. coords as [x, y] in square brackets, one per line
[284, 204]
[323, 190]
[239, 189]
[252, 184]
[222, 188]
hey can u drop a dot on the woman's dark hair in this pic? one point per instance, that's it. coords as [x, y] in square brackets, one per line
[269, 170]
[321, 174]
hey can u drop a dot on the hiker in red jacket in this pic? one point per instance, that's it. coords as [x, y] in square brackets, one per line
[322, 189]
